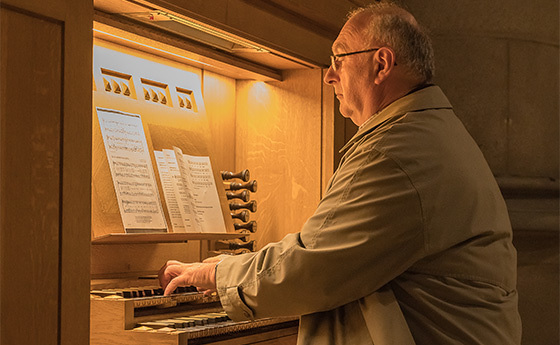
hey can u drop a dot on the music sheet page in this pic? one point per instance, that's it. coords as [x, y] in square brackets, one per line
[180, 203]
[196, 172]
[132, 171]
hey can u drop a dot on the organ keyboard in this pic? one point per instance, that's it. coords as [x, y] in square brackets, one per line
[142, 315]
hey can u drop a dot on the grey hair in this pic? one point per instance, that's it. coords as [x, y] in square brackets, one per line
[390, 25]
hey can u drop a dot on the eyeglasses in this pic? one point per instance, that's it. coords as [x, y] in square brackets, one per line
[335, 61]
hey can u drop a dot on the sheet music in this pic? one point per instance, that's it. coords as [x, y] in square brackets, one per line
[132, 171]
[180, 203]
[198, 180]
[169, 193]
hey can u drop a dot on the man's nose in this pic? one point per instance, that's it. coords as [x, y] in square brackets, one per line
[330, 76]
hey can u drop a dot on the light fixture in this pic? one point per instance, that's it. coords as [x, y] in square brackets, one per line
[216, 38]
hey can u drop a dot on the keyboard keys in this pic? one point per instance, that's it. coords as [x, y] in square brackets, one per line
[192, 321]
[142, 292]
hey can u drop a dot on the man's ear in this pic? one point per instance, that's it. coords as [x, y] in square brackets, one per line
[385, 60]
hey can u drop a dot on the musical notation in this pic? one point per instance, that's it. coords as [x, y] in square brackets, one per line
[197, 176]
[178, 200]
[131, 170]
[190, 191]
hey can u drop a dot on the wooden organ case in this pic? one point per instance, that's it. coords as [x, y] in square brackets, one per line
[274, 129]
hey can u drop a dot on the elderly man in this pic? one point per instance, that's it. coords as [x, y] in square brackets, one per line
[412, 242]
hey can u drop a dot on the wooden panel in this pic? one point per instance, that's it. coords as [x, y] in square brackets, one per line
[133, 260]
[30, 135]
[325, 15]
[286, 336]
[45, 171]
[108, 323]
[163, 237]
[329, 149]
[219, 96]
[279, 139]
[76, 188]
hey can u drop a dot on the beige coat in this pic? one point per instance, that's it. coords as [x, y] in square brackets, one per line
[412, 237]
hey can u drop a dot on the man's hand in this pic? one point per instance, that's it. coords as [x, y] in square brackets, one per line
[175, 273]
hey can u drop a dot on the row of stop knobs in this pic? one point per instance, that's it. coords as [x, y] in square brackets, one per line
[239, 187]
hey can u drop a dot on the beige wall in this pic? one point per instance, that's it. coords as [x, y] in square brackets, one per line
[498, 63]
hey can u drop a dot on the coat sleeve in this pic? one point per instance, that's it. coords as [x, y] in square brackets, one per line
[367, 230]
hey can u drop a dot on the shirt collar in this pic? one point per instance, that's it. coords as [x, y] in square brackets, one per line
[430, 97]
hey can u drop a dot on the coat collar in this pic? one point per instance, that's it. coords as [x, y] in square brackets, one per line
[430, 97]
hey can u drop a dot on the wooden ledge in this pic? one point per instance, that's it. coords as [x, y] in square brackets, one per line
[163, 237]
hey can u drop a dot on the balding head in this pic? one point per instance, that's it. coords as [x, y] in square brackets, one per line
[384, 23]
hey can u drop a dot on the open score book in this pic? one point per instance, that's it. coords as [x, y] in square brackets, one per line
[187, 181]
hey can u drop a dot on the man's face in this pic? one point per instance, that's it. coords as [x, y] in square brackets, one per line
[354, 75]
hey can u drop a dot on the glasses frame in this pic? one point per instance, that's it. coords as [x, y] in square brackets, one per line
[336, 56]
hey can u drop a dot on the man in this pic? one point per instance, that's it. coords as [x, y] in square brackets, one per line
[412, 241]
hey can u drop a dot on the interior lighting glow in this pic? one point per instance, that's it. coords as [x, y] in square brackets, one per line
[151, 47]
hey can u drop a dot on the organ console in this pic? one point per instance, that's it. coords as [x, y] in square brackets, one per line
[136, 102]
[155, 85]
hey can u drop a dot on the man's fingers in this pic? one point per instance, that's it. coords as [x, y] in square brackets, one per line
[168, 272]
[175, 274]
[173, 284]
[164, 277]
[208, 292]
